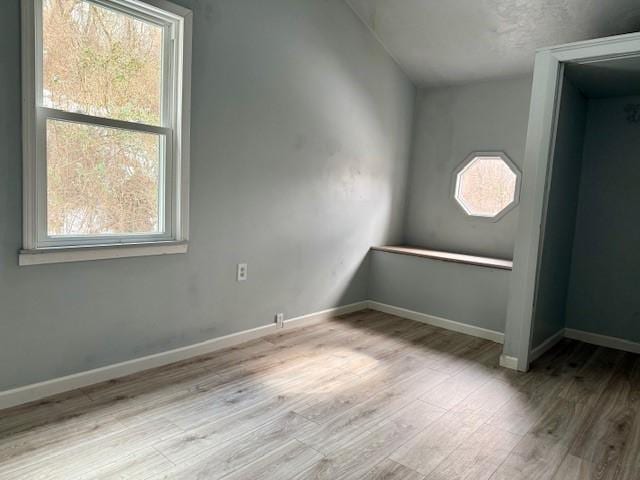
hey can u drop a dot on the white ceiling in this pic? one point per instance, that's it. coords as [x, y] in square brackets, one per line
[440, 42]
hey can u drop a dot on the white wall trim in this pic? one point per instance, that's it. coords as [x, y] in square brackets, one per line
[44, 256]
[509, 362]
[602, 340]
[538, 155]
[38, 391]
[547, 345]
[492, 335]
[586, 337]
[538, 163]
[176, 93]
[324, 315]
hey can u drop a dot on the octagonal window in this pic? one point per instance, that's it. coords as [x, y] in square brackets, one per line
[487, 184]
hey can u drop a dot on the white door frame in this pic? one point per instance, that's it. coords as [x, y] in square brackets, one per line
[545, 99]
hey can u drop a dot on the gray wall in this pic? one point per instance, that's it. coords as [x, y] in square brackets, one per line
[604, 290]
[464, 293]
[450, 124]
[301, 128]
[562, 201]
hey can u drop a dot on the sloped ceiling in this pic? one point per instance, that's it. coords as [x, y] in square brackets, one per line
[440, 42]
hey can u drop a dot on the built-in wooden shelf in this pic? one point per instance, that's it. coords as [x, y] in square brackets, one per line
[449, 257]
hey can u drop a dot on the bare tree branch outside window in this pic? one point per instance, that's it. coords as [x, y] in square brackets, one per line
[105, 63]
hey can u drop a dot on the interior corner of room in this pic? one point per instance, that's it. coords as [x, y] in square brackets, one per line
[362, 190]
[315, 190]
[345, 153]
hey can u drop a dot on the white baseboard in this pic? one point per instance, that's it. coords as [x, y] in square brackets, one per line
[324, 315]
[547, 345]
[602, 340]
[492, 335]
[38, 391]
[507, 361]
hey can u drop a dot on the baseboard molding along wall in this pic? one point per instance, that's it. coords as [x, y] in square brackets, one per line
[492, 335]
[586, 337]
[38, 391]
[547, 345]
[602, 340]
[509, 362]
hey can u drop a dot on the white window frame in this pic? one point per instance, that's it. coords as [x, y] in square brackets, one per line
[38, 246]
[459, 171]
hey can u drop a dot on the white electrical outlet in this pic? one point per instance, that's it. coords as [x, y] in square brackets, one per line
[280, 320]
[242, 272]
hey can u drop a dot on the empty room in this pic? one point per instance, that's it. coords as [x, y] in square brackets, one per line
[319, 239]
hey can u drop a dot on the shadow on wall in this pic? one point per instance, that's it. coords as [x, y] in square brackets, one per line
[301, 129]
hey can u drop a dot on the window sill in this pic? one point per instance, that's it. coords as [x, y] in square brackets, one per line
[450, 257]
[100, 252]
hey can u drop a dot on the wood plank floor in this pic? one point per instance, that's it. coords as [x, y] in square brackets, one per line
[365, 396]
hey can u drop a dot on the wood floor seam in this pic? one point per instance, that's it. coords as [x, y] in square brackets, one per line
[164, 456]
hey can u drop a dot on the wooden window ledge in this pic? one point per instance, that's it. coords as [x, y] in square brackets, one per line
[449, 257]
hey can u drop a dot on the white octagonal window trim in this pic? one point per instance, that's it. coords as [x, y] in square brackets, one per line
[487, 185]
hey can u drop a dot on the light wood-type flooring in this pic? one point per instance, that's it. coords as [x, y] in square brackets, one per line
[364, 396]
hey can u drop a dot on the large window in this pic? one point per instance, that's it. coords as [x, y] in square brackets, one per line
[106, 89]
[487, 185]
